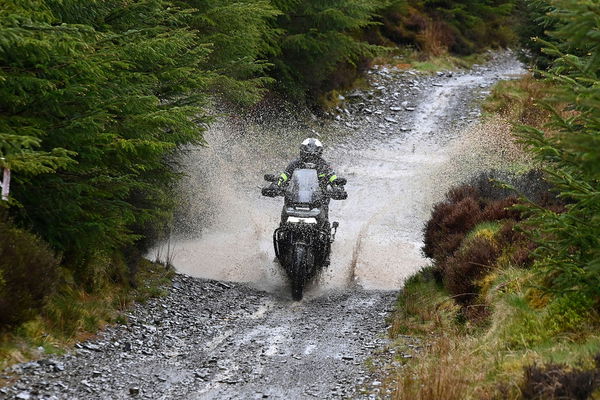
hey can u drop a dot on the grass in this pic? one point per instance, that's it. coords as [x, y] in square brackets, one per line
[74, 314]
[481, 362]
[519, 101]
[409, 58]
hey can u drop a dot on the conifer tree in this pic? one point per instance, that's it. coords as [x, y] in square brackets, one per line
[117, 85]
[317, 37]
[476, 24]
[532, 30]
[569, 242]
[241, 40]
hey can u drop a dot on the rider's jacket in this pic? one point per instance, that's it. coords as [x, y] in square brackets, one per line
[325, 172]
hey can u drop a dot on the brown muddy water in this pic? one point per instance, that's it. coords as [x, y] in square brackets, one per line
[401, 143]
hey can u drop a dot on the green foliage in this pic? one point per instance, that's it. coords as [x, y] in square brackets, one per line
[317, 38]
[28, 274]
[241, 39]
[17, 152]
[569, 312]
[533, 31]
[523, 326]
[105, 92]
[569, 243]
[474, 23]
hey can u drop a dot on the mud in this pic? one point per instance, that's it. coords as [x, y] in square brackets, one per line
[398, 143]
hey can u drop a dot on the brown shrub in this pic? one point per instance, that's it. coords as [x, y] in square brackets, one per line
[435, 39]
[401, 26]
[463, 270]
[556, 381]
[501, 209]
[28, 274]
[450, 221]
[459, 193]
[521, 247]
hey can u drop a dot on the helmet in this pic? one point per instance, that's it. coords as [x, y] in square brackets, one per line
[310, 149]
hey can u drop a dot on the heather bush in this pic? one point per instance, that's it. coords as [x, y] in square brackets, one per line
[556, 381]
[517, 248]
[482, 199]
[450, 221]
[463, 270]
[475, 229]
[28, 274]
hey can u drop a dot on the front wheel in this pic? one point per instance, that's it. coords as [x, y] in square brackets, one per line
[298, 270]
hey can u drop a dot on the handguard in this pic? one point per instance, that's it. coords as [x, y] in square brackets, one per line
[337, 191]
[339, 194]
[271, 191]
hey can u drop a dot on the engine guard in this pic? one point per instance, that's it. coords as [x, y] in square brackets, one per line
[323, 236]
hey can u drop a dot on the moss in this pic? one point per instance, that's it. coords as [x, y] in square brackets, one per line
[485, 230]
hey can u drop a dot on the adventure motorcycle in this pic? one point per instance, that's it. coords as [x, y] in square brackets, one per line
[303, 240]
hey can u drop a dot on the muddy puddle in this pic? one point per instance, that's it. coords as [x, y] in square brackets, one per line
[400, 143]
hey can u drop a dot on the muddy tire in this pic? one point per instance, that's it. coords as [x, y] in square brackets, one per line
[298, 271]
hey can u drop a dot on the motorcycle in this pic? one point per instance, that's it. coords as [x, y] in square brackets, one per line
[302, 242]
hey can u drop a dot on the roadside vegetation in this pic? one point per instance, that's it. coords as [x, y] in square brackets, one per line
[510, 308]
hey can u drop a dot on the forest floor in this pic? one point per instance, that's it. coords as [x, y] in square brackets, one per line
[211, 338]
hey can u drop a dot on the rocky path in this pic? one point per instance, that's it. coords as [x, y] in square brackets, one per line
[214, 340]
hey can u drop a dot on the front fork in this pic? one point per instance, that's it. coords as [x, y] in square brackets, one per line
[277, 238]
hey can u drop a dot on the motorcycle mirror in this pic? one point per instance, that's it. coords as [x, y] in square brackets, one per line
[270, 178]
[341, 181]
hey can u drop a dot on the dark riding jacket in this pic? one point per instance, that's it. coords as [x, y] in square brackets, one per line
[324, 171]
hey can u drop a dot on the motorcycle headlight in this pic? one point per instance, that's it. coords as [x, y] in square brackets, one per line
[297, 220]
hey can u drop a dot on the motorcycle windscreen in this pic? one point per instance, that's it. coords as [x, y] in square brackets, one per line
[304, 187]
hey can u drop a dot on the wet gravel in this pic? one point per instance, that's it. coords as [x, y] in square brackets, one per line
[213, 340]
[404, 104]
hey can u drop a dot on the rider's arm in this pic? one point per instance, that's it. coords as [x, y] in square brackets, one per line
[287, 173]
[326, 173]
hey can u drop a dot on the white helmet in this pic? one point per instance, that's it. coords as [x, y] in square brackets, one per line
[311, 148]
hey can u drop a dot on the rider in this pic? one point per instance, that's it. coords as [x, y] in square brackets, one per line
[311, 150]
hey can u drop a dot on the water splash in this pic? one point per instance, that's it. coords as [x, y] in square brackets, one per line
[224, 231]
